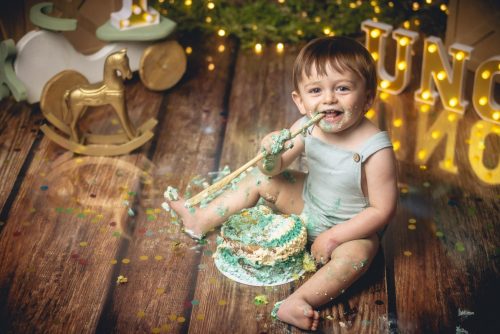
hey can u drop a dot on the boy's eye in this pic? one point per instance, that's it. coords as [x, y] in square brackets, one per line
[314, 90]
[343, 89]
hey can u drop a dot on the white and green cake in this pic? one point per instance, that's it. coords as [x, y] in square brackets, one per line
[258, 247]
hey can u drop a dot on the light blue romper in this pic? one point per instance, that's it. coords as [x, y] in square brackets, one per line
[332, 189]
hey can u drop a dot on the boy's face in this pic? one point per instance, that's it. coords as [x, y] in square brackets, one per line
[341, 96]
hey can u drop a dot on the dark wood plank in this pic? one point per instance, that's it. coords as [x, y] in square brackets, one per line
[19, 126]
[162, 289]
[62, 234]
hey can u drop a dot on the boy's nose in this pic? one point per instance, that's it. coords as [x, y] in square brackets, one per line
[330, 97]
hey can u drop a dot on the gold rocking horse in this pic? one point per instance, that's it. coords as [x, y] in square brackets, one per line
[110, 91]
[65, 111]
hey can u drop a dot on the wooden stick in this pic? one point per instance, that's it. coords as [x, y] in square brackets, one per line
[227, 179]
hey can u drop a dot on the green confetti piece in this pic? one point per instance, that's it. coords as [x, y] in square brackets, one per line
[439, 234]
[116, 234]
[132, 193]
[260, 300]
[81, 215]
[151, 217]
[459, 247]
[131, 212]
[59, 210]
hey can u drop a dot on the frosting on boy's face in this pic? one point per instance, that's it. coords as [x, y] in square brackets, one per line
[341, 96]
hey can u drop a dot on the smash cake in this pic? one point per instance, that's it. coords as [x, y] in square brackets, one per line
[261, 248]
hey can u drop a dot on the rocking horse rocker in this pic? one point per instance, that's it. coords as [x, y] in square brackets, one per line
[64, 107]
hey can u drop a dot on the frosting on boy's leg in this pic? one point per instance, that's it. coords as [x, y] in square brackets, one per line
[274, 311]
[171, 194]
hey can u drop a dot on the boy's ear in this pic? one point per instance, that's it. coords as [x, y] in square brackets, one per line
[370, 98]
[298, 102]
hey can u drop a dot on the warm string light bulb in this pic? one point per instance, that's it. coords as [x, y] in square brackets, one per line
[258, 48]
[280, 47]
[221, 32]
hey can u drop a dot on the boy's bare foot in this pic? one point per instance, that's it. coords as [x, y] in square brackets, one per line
[188, 218]
[299, 313]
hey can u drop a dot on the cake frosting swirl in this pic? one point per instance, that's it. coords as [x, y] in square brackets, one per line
[259, 247]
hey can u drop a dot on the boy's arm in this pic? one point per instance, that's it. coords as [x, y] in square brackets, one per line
[283, 159]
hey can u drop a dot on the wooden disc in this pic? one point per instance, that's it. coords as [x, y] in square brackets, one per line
[162, 65]
[52, 99]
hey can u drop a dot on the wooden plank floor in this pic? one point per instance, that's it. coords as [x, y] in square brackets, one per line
[70, 225]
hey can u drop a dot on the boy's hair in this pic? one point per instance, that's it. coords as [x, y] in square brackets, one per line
[342, 53]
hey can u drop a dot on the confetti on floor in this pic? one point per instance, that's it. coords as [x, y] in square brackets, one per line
[260, 300]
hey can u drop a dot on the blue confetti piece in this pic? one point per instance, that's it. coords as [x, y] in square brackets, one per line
[44, 188]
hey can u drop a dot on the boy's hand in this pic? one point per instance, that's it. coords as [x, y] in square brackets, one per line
[273, 145]
[323, 247]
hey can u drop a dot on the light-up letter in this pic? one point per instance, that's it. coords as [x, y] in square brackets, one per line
[376, 34]
[437, 72]
[428, 138]
[479, 132]
[482, 96]
[134, 14]
[392, 117]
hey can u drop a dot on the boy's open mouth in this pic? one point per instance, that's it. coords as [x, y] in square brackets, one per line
[331, 115]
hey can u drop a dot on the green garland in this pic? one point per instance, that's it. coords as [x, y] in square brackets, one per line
[292, 21]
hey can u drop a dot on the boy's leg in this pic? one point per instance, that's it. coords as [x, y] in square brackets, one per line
[284, 190]
[349, 261]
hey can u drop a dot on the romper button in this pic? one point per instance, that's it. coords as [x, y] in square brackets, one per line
[356, 157]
